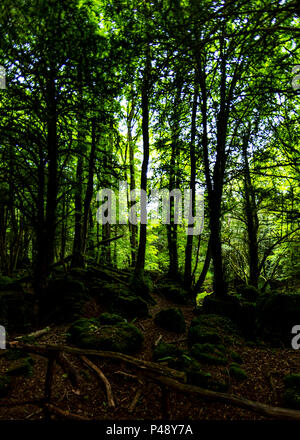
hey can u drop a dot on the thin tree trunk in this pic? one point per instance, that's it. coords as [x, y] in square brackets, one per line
[189, 240]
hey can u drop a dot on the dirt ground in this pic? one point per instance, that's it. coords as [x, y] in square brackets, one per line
[265, 368]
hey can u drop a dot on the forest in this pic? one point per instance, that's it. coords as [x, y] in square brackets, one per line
[149, 210]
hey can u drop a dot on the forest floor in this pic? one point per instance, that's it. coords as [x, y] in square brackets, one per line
[265, 368]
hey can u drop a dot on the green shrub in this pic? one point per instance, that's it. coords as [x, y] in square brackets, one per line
[171, 319]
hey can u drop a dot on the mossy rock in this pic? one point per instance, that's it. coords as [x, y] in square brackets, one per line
[292, 381]
[173, 292]
[237, 372]
[131, 306]
[236, 357]
[208, 354]
[292, 398]
[221, 323]
[110, 318]
[5, 385]
[15, 354]
[200, 334]
[10, 284]
[250, 293]
[276, 315]
[17, 311]
[89, 333]
[171, 319]
[228, 306]
[185, 363]
[23, 369]
[164, 351]
[247, 318]
[63, 300]
[142, 286]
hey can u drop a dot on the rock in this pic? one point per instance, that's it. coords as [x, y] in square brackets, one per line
[90, 333]
[131, 306]
[216, 322]
[110, 318]
[17, 311]
[10, 284]
[276, 316]
[237, 372]
[201, 334]
[228, 306]
[163, 350]
[173, 292]
[236, 357]
[171, 319]
[5, 385]
[292, 391]
[208, 354]
[249, 293]
[25, 368]
[63, 300]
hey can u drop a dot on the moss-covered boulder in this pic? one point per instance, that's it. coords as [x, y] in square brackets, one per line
[24, 368]
[173, 291]
[17, 310]
[201, 334]
[90, 333]
[236, 357]
[292, 391]
[63, 300]
[171, 319]
[110, 318]
[10, 284]
[209, 354]
[228, 306]
[276, 315]
[5, 385]
[221, 324]
[131, 306]
[237, 372]
[165, 351]
[248, 292]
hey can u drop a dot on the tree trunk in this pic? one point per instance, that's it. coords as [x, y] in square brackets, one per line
[251, 218]
[140, 263]
[189, 240]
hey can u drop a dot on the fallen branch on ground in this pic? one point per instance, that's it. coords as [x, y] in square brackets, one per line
[97, 370]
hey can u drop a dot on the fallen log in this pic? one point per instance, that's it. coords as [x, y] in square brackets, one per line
[35, 335]
[163, 376]
[65, 414]
[149, 368]
[241, 402]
